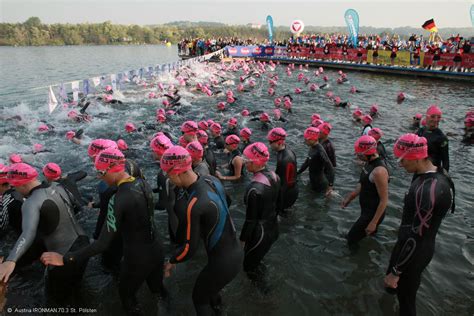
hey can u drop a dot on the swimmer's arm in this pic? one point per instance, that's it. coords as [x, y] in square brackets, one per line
[77, 176]
[328, 168]
[381, 183]
[30, 212]
[304, 166]
[238, 165]
[445, 154]
[193, 233]
[251, 215]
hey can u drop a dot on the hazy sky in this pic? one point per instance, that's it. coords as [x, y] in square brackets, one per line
[381, 13]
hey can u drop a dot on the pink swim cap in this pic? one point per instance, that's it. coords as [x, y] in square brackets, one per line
[311, 133]
[52, 171]
[232, 121]
[37, 148]
[276, 134]
[202, 137]
[321, 69]
[161, 118]
[329, 94]
[434, 110]
[353, 89]
[72, 114]
[316, 123]
[374, 108]
[325, 128]
[313, 87]
[3, 174]
[230, 100]
[189, 128]
[229, 93]
[232, 140]
[365, 145]
[176, 160]
[110, 160]
[43, 128]
[98, 145]
[160, 143]
[423, 122]
[257, 153]
[297, 90]
[245, 133]
[195, 150]
[264, 117]
[337, 100]
[339, 80]
[151, 95]
[182, 141]
[277, 114]
[376, 133]
[401, 96]
[315, 116]
[221, 106]
[469, 122]
[122, 145]
[20, 174]
[130, 127]
[411, 147]
[15, 158]
[367, 119]
[216, 128]
[203, 125]
[245, 112]
[108, 88]
[325, 78]
[418, 116]
[240, 87]
[288, 104]
[108, 98]
[271, 91]
[70, 135]
[277, 102]
[165, 102]
[357, 112]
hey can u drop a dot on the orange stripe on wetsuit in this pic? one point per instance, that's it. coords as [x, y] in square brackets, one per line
[188, 229]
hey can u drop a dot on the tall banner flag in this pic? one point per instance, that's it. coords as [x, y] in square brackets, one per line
[472, 15]
[270, 28]
[62, 93]
[352, 21]
[52, 101]
[430, 26]
[113, 81]
[75, 90]
[85, 87]
[296, 27]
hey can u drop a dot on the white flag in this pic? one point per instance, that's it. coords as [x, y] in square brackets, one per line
[52, 101]
[96, 81]
[75, 90]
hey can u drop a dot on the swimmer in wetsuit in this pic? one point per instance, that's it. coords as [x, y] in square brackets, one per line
[208, 153]
[236, 163]
[376, 133]
[131, 214]
[324, 131]
[46, 214]
[158, 145]
[260, 228]
[372, 190]
[321, 171]
[438, 150]
[245, 134]
[232, 128]
[10, 204]
[219, 142]
[207, 218]
[430, 196]
[196, 151]
[285, 169]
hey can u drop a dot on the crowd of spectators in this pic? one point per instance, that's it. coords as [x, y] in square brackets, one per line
[200, 46]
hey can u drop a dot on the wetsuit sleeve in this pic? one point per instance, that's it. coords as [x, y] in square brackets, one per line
[434, 203]
[328, 168]
[445, 153]
[30, 211]
[251, 215]
[109, 230]
[193, 231]
[304, 166]
[77, 176]
[331, 154]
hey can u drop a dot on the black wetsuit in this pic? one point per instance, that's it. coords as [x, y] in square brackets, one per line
[319, 165]
[369, 200]
[230, 165]
[243, 145]
[231, 131]
[260, 228]
[131, 214]
[176, 208]
[10, 211]
[161, 179]
[286, 169]
[70, 184]
[329, 148]
[208, 218]
[211, 160]
[428, 200]
[219, 142]
[202, 168]
[438, 150]
[381, 151]
[47, 215]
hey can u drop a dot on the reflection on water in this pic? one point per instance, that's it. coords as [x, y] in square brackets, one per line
[311, 271]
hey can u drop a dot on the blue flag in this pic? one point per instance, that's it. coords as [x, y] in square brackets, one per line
[352, 21]
[85, 87]
[270, 28]
[140, 73]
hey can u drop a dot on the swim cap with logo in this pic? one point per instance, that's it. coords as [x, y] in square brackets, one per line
[311, 133]
[189, 128]
[365, 145]
[434, 110]
[100, 144]
[110, 160]
[160, 143]
[176, 160]
[411, 147]
[325, 128]
[21, 173]
[245, 133]
[52, 171]
[195, 150]
[202, 137]
[257, 153]
[216, 128]
[232, 140]
[376, 133]
[276, 134]
[203, 125]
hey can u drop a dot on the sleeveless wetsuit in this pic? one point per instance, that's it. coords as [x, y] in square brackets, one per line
[131, 214]
[219, 142]
[231, 131]
[369, 201]
[286, 170]
[208, 218]
[243, 145]
[47, 213]
[319, 165]
[329, 148]
[202, 169]
[70, 184]
[211, 160]
[428, 200]
[230, 166]
[381, 151]
[260, 228]
[437, 146]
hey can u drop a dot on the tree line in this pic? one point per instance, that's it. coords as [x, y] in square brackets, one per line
[33, 32]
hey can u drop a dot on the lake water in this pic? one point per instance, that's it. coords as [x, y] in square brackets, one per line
[310, 269]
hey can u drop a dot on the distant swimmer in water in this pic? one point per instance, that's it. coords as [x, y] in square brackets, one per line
[218, 139]
[416, 121]
[468, 137]
[236, 163]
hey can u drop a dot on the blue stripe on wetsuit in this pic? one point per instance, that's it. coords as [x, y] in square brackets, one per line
[219, 199]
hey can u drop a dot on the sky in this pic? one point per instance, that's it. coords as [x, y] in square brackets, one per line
[381, 13]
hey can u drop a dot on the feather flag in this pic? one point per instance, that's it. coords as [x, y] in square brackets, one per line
[52, 101]
[75, 90]
[430, 26]
[113, 81]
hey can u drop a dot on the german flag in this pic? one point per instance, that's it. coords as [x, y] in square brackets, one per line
[430, 26]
